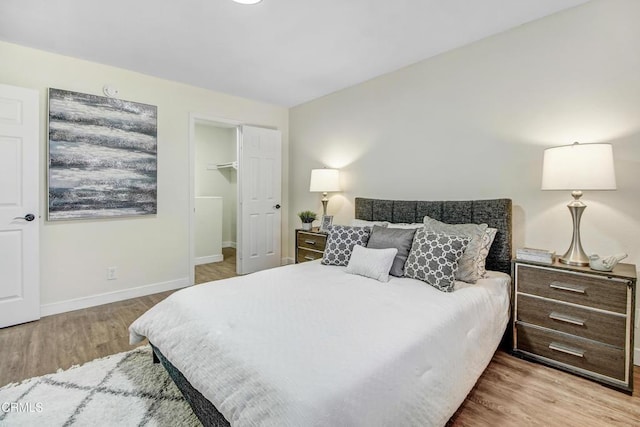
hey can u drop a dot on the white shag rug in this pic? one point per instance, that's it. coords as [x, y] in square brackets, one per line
[125, 389]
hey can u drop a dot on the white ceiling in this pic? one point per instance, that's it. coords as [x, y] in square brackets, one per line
[284, 52]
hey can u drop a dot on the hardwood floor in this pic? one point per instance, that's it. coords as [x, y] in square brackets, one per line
[511, 392]
[515, 392]
[68, 339]
[218, 270]
[76, 337]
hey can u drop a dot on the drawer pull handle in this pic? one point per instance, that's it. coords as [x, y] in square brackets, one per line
[566, 319]
[566, 287]
[310, 242]
[309, 258]
[566, 349]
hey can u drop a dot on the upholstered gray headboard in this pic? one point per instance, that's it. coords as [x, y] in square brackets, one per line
[496, 213]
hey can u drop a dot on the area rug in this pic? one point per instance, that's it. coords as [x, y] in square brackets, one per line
[125, 389]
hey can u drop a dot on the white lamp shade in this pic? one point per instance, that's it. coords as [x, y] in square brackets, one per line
[579, 167]
[324, 180]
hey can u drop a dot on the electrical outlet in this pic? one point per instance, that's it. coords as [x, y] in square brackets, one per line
[112, 273]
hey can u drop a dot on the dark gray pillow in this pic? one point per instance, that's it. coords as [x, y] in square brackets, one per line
[399, 238]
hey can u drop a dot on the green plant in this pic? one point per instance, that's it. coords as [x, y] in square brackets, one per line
[307, 217]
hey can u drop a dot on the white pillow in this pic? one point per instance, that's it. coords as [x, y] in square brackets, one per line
[364, 223]
[373, 263]
[406, 226]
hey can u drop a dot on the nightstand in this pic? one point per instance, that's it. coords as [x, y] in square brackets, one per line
[576, 319]
[309, 245]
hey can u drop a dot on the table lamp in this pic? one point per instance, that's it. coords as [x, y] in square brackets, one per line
[323, 181]
[578, 167]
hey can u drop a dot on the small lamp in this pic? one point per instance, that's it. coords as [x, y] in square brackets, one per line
[578, 167]
[323, 181]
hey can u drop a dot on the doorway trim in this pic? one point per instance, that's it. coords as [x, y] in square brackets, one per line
[195, 118]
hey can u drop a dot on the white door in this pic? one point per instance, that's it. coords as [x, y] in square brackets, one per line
[19, 213]
[260, 192]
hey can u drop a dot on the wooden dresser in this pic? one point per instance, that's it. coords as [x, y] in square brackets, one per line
[309, 245]
[576, 319]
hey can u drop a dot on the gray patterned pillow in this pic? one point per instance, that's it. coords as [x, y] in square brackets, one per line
[340, 243]
[434, 258]
[487, 241]
[468, 264]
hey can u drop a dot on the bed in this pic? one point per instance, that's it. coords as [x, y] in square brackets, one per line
[308, 344]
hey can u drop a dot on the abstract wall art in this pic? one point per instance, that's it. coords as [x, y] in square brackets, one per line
[102, 157]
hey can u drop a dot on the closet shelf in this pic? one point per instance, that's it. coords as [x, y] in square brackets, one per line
[228, 165]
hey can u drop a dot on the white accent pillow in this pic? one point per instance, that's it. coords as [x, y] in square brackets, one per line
[373, 263]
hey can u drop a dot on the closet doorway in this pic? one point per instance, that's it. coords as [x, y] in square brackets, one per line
[235, 196]
[215, 187]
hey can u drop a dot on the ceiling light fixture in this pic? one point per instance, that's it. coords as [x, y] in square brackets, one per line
[247, 1]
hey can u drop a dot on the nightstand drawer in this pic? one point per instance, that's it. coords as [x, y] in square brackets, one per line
[580, 353]
[582, 322]
[587, 290]
[311, 241]
[308, 255]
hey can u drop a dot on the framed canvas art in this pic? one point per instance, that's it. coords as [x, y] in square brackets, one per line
[102, 157]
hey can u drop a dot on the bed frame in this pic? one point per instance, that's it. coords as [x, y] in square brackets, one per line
[496, 213]
[204, 410]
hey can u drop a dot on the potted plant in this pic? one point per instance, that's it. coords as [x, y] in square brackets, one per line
[307, 217]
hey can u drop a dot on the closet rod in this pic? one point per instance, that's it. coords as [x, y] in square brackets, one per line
[212, 166]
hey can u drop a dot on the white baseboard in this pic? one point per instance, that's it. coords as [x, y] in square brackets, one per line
[109, 297]
[229, 244]
[209, 259]
[287, 261]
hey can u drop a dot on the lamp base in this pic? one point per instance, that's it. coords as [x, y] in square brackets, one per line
[575, 255]
[573, 261]
[325, 200]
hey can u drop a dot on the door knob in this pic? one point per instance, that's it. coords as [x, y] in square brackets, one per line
[277, 206]
[27, 217]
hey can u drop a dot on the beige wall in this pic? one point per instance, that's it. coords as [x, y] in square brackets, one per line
[473, 123]
[150, 250]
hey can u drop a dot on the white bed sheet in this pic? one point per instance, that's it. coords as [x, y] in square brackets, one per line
[310, 345]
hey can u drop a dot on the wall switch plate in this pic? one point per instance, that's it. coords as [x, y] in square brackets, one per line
[112, 273]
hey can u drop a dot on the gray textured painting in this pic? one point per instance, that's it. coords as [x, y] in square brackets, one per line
[102, 156]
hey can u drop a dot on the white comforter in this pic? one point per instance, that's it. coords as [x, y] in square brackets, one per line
[310, 345]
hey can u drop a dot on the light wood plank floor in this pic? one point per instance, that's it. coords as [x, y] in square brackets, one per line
[511, 392]
[515, 392]
[218, 270]
[76, 337]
